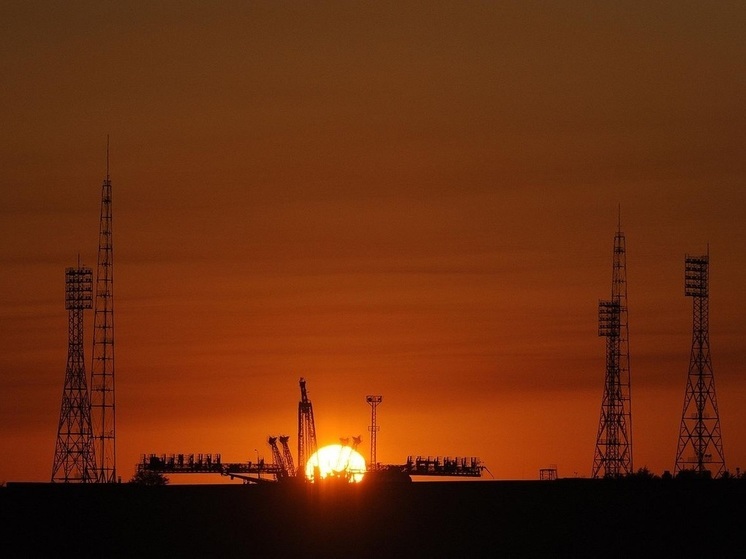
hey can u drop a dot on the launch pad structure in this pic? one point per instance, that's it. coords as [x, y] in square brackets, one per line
[252, 472]
[282, 466]
[307, 445]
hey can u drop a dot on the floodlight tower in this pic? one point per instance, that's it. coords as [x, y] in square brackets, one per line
[700, 445]
[74, 459]
[373, 401]
[613, 455]
[307, 446]
[102, 371]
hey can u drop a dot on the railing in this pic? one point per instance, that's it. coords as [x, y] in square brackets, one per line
[437, 466]
[204, 464]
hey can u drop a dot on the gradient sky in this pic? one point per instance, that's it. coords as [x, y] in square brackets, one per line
[409, 199]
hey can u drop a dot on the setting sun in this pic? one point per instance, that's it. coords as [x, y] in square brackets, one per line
[337, 461]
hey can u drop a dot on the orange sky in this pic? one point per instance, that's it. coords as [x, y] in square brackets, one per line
[411, 199]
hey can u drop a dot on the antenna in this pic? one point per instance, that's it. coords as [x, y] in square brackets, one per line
[103, 395]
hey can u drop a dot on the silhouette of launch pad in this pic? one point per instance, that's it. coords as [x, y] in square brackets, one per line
[282, 467]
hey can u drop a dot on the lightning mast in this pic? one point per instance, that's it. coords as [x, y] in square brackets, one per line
[613, 455]
[700, 445]
[74, 459]
[307, 446]
[102, 370]
[373, 401]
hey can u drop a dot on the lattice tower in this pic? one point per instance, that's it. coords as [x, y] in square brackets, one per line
[700, 446]
[103, 395]
[613, 455]
[74, 458]
[373, 400]
[307, 446]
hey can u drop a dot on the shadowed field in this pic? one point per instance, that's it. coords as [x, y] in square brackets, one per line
[565, 518]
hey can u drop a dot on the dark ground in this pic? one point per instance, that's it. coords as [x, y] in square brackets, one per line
[564, 518]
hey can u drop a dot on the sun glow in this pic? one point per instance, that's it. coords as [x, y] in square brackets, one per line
[336, 461]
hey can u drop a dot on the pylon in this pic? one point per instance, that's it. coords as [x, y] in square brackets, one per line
[613, 455]
[700, 445]
[74, 459]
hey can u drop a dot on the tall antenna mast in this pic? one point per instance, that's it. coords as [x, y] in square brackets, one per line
[700, 445]
[102, 370]
[613, 455]
[74, 459]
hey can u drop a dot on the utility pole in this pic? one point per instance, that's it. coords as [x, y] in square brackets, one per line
[613, 455]
[74, 459]
[373, 401]
[700, 445]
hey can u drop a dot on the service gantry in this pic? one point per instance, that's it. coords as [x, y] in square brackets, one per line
[307, 446]
[102, 370]
[252, 472]
[613, 455]
[249, 472]
[700, 446]
[74, 458]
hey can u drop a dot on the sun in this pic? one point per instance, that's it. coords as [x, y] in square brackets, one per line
[336, 460]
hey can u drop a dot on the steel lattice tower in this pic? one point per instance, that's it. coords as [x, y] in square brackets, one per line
[102, 371]
[613, 455]
[373, 401]
[307, 445]
[74, 459]
[700, 445]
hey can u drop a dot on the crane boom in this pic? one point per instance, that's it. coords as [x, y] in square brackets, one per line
[277, 458]
[288, 457]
